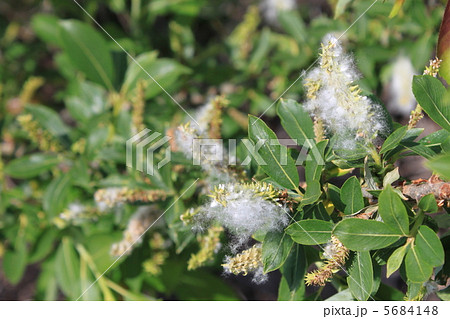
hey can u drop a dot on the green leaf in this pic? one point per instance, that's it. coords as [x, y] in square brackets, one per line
[56, 194]
[354, 156]
[439, 165]
[392, 210]
[275, 249]
[339, 9]
[435, 138]
[417, 269]
[286, 294]
[351, 196]
[95, 141]
[396, 8]
[430, 93]
[394, 139]
[297, 122]
[363, 235]
[88, 51]
[99, 247]
[395, 260]
[445, 145]
[47, 28]
[310, 231]
[30, 166]
[343, 295]
[444, 273]
[81, 174]
[48, 118]
[165, 71]
[293, 24]
[46, 286]
[360, 279]
[65, 65]
[406, 142]
[386, 292]
[87, 284]
[85, 100]
[14, 263]
[258, 58]
[281, 170]
[429, 247]
[391, 177]
[444, 294]
[44, 245]
[335, 195]
[315, 161]
[316, 212]
[294, 268]
[428, 204]
[376, 278]
[312, 193]
[414, 290]
[67, 269]
[419, 149]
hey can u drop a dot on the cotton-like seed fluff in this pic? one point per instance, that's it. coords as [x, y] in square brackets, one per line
[333, 97]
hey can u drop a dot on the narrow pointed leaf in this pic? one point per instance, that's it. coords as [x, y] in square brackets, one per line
[310, 231]
[281, 170]
[275, 250]
[88, 51]
[360, 279]
[297, 122]
[394, 139]
[335, 196]
[428, 204]
[295, 267]
[429, 247]
[67, 269]
[439, 165]
[351, 196]
[396, 8]
[363, 235]
[31, 165]
[395, 260]
[392, 210]
[430, 93]
[417, 269]
[56, 194]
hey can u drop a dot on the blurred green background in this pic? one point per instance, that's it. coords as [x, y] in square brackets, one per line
[86, 97]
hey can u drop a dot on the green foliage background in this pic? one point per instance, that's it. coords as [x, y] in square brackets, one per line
[87, 85]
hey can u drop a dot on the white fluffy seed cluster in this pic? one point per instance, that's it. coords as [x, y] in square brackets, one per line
[334, 98]
[209, 151]
[73, 212]
[203, 117]
[402, 101]
[270, 9]
[243, 212]
[107, 198]
[193, 141]
[137, 226]
[185, 135]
